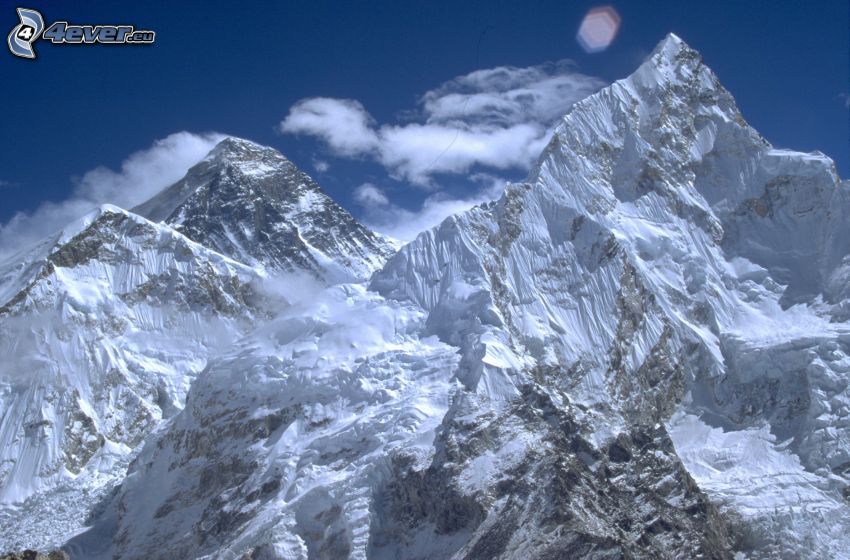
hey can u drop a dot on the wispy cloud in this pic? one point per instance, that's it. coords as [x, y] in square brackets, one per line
[142, 175]
[7, 184]
[499, 118]
[321, 165]
[343, 124]
[368, 194]
[404, 225]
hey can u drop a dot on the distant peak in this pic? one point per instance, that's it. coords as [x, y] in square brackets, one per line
[78, 225]
[240, 149]
[235, 143]
[108, 209]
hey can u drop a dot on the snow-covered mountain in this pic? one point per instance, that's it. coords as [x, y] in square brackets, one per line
[642, 351]
[663, 270]
[250, 203]
[105, 324]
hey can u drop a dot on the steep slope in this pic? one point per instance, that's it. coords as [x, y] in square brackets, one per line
[641, 351]
[102, 328]
[663, 258]
[249, 202]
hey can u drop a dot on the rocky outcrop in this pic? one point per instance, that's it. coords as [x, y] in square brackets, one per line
[34, 555]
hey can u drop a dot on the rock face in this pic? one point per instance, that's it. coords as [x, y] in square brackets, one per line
[642, 351]
[35, 555]
[252, 204]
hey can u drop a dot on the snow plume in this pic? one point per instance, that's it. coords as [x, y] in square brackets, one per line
[278, 292]
[141, 176]
[332, 323]
[500, 118]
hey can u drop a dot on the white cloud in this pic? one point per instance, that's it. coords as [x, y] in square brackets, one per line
[415, 152]
[405, 225]
[508, 95]
[368, 194]
[499, 118]
[142, 175]
[343, 123]
[321, 165]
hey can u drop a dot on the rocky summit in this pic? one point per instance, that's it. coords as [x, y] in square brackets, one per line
[640, 351]
[252, 204]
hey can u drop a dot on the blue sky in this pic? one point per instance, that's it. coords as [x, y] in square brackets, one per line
[74, 116]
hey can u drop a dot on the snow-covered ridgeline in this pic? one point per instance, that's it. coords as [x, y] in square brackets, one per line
[655, 255]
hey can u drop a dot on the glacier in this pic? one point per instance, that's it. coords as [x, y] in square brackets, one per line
[641, 350]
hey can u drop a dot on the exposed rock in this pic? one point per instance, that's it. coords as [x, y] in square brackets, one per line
[251, 203]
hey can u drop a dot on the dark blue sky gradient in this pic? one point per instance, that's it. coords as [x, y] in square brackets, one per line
[237, 68]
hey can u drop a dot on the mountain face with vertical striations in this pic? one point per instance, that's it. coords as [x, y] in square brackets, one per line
[102, 328]
[250, 203]
[677, 289]
[641, 351]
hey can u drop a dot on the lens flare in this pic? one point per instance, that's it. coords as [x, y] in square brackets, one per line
[598, 29]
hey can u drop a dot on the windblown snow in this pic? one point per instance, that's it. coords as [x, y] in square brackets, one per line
[643, 350]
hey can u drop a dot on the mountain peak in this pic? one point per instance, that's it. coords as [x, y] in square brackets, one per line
[670, 46]
[673, 60]
[234, 142]
[248, 156]
[252, 204]
[233, 147]
[656, 190]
